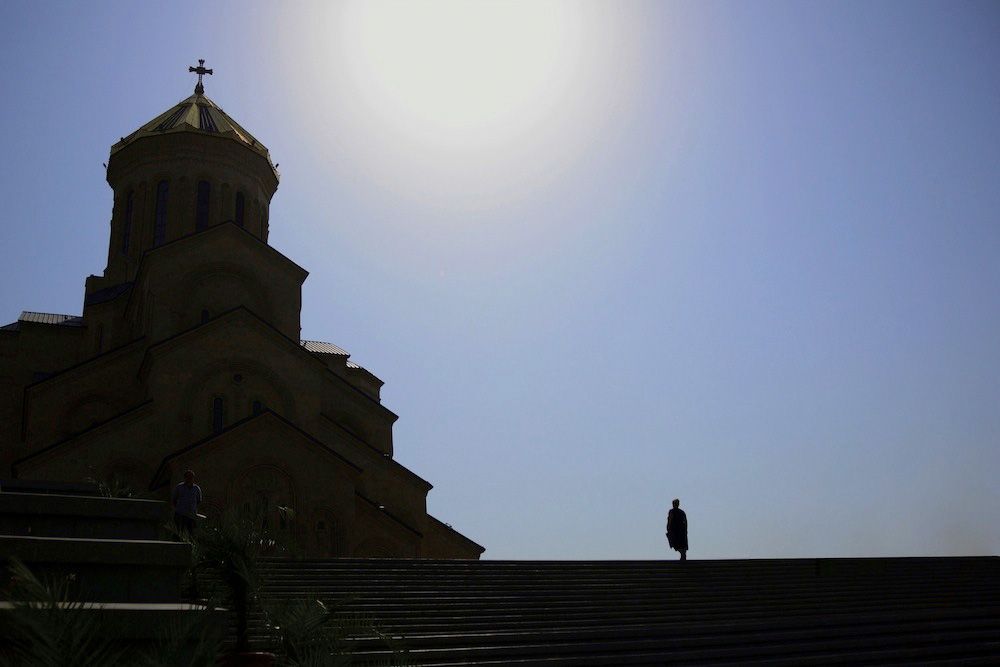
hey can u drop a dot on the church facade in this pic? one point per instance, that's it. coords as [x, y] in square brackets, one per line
[188, 356]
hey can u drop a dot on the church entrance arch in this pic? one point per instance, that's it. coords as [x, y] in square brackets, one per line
[325, 536]
[268, 491]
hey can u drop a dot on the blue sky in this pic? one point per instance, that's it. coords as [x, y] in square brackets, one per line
[602, 254]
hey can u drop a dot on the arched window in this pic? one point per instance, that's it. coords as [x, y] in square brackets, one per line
[218, 415]
[201, 211]
[127, 223]
[257, 407]
[240, 207]
[160, 217]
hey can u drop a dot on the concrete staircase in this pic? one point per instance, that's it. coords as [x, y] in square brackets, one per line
[109, 547]
[110, 552]
[784, 612]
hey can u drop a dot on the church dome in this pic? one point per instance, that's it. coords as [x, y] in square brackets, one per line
[188, 169]
[197, 113]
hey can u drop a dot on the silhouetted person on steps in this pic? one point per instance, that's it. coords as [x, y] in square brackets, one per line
[677, 529]
[185, 499]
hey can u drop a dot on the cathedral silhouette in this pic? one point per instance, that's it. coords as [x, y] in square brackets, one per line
[188, 356]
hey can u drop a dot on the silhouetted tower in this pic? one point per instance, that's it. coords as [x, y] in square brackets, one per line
[190, 168]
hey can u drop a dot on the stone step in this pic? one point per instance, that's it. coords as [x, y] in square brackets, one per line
[146, 620]
[682, 643]
[700, 579]
[618, 576]
[814, 611]
[104, 555]
[926, 655]
[519, 596]
[399, 607]
[596, 617]
[49, 515]
[805, 649]
[105, 570]
[46, 486]
[860, 624]
[144, 627]
[825, 566]
[609, 619]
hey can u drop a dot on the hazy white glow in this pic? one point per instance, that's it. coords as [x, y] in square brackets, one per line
[465, 74]
[463, 103]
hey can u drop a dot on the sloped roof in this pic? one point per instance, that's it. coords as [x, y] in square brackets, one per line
[324, 348]
[161, 478]
[76, 437]
[51, 318]
[319, 347]
[381, 509]
[196, 113]
[44, 318]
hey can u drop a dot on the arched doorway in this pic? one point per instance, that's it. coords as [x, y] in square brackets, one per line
[268, 493]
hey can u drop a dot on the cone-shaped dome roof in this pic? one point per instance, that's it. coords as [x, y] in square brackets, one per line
[197, 113]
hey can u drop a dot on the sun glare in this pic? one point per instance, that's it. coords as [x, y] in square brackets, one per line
[462, 101]
[464, 74]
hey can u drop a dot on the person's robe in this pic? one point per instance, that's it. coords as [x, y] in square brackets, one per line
[677, 529]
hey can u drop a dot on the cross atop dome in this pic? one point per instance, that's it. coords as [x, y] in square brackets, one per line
[200, 70]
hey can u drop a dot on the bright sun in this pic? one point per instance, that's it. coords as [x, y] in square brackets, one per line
[458, 100]
[464, 73]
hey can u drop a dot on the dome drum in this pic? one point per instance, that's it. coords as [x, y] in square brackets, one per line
[168, 186]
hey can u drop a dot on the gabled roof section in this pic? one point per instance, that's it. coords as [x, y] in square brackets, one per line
[65, 372]
[227, 229]
[380, 508]
[221, 320]
[160, 478]
[48, 449]
[243, 312]
[374, 452]
[454, 534]
[235, 233]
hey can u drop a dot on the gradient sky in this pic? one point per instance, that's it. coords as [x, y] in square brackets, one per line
[603, 254]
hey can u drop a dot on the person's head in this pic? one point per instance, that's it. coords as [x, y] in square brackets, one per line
[189, 477]
[677, 503]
